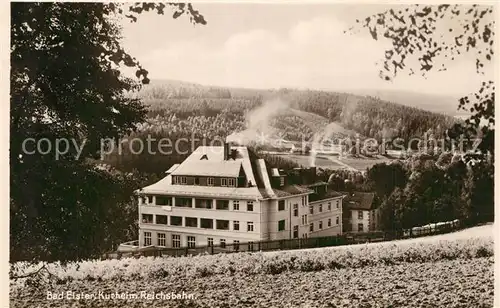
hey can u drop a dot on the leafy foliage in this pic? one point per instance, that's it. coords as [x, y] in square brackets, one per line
[66, 84]
[415, 35]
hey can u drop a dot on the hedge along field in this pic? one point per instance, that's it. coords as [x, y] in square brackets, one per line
[441, 273]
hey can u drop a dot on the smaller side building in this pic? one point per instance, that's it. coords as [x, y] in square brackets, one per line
[361, 212]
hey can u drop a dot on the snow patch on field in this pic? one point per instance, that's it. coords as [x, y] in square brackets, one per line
[484, 231]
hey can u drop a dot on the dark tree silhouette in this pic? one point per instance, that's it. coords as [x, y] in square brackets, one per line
[66, 84]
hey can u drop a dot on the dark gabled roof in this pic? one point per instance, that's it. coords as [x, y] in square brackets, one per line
[359, 200]
[287, 191]
[317, 184]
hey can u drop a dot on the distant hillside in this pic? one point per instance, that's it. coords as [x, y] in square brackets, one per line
[369, 116]
[434, 103]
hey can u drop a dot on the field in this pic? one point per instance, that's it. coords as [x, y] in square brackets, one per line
[441, 271]
[334, 162]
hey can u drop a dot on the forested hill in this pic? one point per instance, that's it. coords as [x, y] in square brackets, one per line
[367, 115]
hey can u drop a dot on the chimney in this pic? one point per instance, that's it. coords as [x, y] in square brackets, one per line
[226, 151]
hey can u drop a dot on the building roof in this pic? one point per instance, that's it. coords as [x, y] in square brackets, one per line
[359, 200]
[325, 196]
[321, 183]
[212, 164]
[209, 161]
[164, 186]
[228, 168]
[171, 169]
[286, 191]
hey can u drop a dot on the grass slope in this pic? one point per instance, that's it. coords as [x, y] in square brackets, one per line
[454, 272]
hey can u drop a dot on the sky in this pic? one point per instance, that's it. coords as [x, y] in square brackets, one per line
[257, 45]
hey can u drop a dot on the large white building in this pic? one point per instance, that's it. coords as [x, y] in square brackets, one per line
[225, 195]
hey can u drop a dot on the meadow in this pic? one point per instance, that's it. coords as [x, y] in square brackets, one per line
[441, 271]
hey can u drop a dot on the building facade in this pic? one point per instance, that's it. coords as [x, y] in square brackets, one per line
[225, 195]
[361, 213]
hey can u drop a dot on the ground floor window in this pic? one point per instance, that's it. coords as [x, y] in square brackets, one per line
[222, 243]
[360, 227]
[210, 241]
[147, 238]
[176, 240]
[236, 245]
[250, 246]
[162, 239]
[295, 231]
[191, 242]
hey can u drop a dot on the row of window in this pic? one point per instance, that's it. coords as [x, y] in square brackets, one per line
[320, 224]
[199, 203]
[226, 182]
[204, 223]
[320, 207]
[190, 241]
[360, 214]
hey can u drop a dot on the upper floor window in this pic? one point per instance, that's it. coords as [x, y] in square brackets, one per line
[311, 227]
[337, 220]
[176, 220]
[231, 182]
[360, 227]
[295, 231]
[320, 224]
[311, 209]
[320, 208]
[337, 203]
[281, 225]
[282, 181]
[161, 200]
[203, 203]
[360, 214]
[206, 223]
[236, 225]
[222, 224]
[281, 205]
[183, 180]
[162, 219]
[236, 205]
[183, 202]
[147, 218]
[250, 226]
[329, 222]
[210, 181]
[296, 210]
[329, 206]
[223, 182]
[196, 181]
[191, 222]
[250, 206]
[222, 205]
